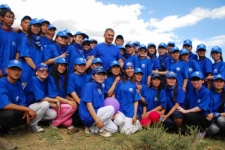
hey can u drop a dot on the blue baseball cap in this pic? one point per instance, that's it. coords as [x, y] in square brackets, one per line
[129, 44]
[51, 26]
[15, 63]
[114, 63]
[44, 21]
[68, 32]
[98, 69]
[197, 74]
[137, 43]
[80, 61]
[184, 51]
[138, 70]
[41, 66]
[155, 75]
[26, 17]
[187, 42]
[142, 46]
[151, 44]
[174, 49]
[218, 76]
[171, 43]
[171, 74]
[216, 49]
[60, 60]
[201, 46]
[97, 60]
[162, 45]
[5, 6]
[93, 41]
[121, 47]
[34, 21]
[80, 33]
[62, 34]
[128, 65]
[86, 41]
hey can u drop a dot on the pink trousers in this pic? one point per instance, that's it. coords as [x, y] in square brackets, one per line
[64, 116]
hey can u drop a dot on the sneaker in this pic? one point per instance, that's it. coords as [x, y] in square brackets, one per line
[6, 145]
[105, 134]
[72, 130]
[52, 126]
[202, 135]
[35, 128]
[87, 130]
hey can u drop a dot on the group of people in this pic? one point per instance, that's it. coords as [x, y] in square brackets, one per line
[66, 79]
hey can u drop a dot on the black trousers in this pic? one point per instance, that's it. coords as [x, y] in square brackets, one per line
[10, 119]
[197, 119]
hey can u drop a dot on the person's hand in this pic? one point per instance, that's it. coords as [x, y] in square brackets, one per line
[64, 55]
[134, 119]
[209, 117]
[58, 106]
[145, 115]
[181, 110]
[29, 115]
[1, 74]
[184, 89]
[164, 118]
[99, 124]
[117, 79]
[73, 104]
[139, 87]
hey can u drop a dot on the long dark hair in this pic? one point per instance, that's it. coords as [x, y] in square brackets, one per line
[29, 33]
[55, 74]
[125, 78]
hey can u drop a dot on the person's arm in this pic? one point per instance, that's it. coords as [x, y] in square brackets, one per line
[195, 109]
[17, 56]
[149, 80]
[52, 60]
[53, 102]
[89, 62]
[162, 72]
[134, 119]
[93, 114]
[185, 85]
[112, 88]
[30, 62]
[171, 112]
[121, 63]
[67, 101]
[75, 97]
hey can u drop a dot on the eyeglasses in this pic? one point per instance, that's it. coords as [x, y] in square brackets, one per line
[43, 71]
[11, 17]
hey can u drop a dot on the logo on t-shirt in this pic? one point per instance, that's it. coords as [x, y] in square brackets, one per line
[215, 71]
[156, 99]
[103, 85]
[130, 89]
[13, 43]
[17, 98]
[142, 65]
[99, 91]
[199, 100]
[190, 70]
[178, 69]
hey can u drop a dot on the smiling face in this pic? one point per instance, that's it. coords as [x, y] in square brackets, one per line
[13, 73]
[109, 37]
[115, 70]
[129, 72]
[218, 84]
[175, 55]
[171, 81]
[61, 40]
[35, 28]
[138, 77]
[78, 39]
[62, 68]
[80, 69]
[42, 73]
[156, 82]
[99, 77]
[197, 83]
[216, 56]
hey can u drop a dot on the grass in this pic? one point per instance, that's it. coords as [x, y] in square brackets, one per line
[154, 138]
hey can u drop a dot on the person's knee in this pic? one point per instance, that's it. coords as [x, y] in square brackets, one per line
[213, 129]
[221, 121]
[67, 123]
[45, 105]
[119, 119]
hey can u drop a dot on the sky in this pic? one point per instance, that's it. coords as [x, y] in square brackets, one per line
[137, 20]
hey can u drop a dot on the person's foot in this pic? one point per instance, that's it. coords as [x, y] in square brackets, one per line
[87, 130]
[52, 126]
[35, 128]
[202, 134]
[72, 130]
[6, 145]
[105, 134]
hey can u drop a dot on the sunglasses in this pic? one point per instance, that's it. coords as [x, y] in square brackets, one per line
[44, 71]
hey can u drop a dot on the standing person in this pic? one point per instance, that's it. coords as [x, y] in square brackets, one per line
[2, 8]
[197, 104]
[126, 94]
[218, 111]
[51, 32]
[56, 50]
[187, 44]
[31, 50]
[170, 45]
[106, 51]
[151, 52]
[38, 100]
[145, 64]
[204, 63]
[9, 40]
[25, 21]
[119, 40]
[164, 61]
[130, 55]
[13, 109]
[57, 88]
[44, 31]
[192, 66]
[92, 112]
[179, 67]
[75, 50]
[75, 85]
[122, 52]
[87, 49]
[113, 79]
[136, 46]
[175, 96]
[93, 43]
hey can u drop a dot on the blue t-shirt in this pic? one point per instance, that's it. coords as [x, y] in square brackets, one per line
[133, 59]
[126, 94]
[193, 56]
[88, 53]
[205, 65]
[76, 83]
[9, 42]
[216, 102]
[109, 82]
[92, 93]
[53, 91]
[27, 49]
[164, 61]
[199, 98]
[75, 51]
[11, 93]
[146, 67]
[35, 90]
[107, 53]
[181, 69]
[219, 68]
[178, 96]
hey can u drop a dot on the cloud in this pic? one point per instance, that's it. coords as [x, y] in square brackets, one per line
[171, 23]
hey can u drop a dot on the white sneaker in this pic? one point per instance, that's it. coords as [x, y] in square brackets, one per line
[105, 134]
[35, 128]
[202, 135]
[87, 130]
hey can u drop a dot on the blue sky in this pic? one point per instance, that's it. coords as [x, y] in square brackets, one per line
[143, 20]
